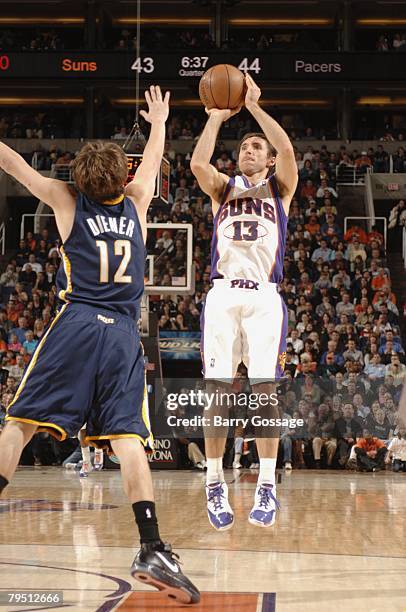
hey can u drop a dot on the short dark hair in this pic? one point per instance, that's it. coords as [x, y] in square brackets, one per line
[271, 149]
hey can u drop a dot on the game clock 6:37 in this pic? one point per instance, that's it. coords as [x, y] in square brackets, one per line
[201, 61]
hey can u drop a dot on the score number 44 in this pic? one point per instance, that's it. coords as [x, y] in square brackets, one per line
[254, 66]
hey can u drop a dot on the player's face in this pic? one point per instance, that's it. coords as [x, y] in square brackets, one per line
[254, 156]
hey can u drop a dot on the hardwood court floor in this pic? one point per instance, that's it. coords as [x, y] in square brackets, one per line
[339, 542]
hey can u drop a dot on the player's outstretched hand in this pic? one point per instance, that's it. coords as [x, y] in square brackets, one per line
[253, 92]
[158, 108]
[223, 114]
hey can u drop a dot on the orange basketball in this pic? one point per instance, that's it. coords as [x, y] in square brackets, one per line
[222, 86]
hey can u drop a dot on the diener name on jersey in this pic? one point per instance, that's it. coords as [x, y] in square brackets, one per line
[118, 225]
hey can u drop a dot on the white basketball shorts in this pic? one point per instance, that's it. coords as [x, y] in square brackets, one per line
[243, 320]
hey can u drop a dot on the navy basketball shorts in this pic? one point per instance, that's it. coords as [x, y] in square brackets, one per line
[88, 367]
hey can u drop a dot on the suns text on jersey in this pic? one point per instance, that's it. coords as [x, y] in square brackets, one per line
[257, 207]
[118, 225]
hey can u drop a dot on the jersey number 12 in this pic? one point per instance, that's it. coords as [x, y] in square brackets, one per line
[121, 247]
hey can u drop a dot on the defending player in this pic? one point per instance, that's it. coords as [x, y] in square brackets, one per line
[244, 317]
[89, 366]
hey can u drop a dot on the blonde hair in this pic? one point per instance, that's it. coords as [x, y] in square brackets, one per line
[100, 171]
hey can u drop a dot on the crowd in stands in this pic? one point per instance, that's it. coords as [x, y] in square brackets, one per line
[187, 125]
[115, 123]
[345, 358]
[170, 40]
[198, 39]
[265, 40]
[35, 124]
[391, 42]
[34, 40]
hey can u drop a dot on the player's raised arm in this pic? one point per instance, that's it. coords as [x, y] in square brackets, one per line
[142, 187]
[210, 180]
[286, 168]
[51, 191]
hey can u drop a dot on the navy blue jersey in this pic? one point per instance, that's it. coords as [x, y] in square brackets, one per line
[104, 257]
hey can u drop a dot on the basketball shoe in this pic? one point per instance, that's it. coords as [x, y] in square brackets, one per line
[85, 469]
[219, 511]
[98, 460]
[265, 505]
[155, 564]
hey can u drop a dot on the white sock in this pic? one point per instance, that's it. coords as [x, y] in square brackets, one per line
[267, 469]
[214, 470]
[85, 454]
[237, 457]
[98, 453]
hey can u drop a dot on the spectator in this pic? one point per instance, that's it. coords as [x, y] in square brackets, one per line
[324, 191]
[345, 306]
[353, 353]
[295, 341]
[9, 277]
[382, 44]
[308, 190]
[30, 343]
[380, 280]
[19, 331]
[16, 371]
[14, 344]
[396, 369]
[322, 252]
[397, 221]
[4, 372]
[397, 451]
[32, 263]
[381, 159]
[370, 452]
[27, 276]
[378, 423]
[362, 163]
[361, 411]
[324, 437]
[346, 431]
[354, 250]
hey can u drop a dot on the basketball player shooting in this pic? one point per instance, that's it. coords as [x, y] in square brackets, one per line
[89, 366]
[244, 317]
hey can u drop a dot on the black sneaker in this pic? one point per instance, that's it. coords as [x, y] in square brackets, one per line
[157, 565]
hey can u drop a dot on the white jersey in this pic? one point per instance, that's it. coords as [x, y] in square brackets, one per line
[249, 232]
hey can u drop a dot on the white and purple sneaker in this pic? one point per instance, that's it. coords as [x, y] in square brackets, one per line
[85, 469]
[98, 460]
[265, 505]
[219, 511]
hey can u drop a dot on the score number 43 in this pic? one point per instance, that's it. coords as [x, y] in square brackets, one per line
[143, 64]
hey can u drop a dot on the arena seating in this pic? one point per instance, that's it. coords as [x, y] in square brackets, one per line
[344, 345]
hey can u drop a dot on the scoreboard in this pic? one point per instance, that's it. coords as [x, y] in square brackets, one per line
[326, 66]
[162, 180]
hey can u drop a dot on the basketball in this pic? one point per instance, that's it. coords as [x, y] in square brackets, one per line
[222, 86]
